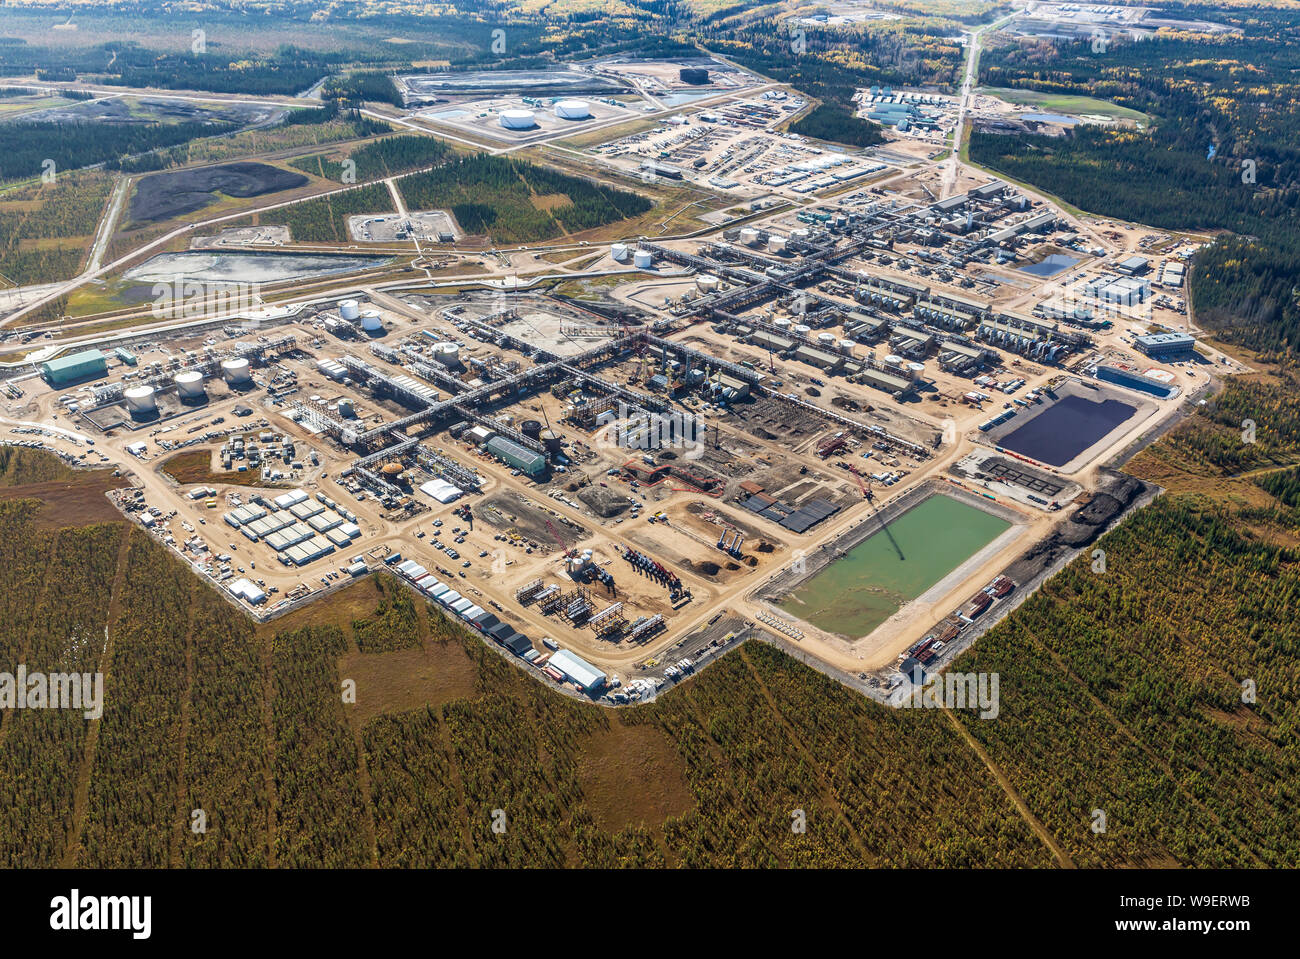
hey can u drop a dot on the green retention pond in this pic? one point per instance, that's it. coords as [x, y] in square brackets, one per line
[860, 590]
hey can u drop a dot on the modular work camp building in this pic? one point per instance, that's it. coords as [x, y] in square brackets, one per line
[74, 368]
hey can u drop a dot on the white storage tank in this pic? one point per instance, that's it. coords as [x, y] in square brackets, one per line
[448, 354]
[349, 309]
[783, 323]
[370, 322]
[749, 236]
[914, 370]
[893, 359]
[618, 251]
[775, 244]
[189, 385]
[707, 284]
[573, 110]
[846, 346]
[140, 400]
[642, 259]
[803, 330]
[826, 339]
[517, 120]
[236, 372]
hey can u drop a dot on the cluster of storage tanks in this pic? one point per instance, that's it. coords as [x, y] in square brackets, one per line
[142, 401]
[370, 321]
[752, 237]
[641, 259]
[901, 367]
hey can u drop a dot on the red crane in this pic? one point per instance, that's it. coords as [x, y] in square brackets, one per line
[866, 491]
[554, 532]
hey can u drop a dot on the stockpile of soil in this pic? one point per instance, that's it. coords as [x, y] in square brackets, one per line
[604, 502]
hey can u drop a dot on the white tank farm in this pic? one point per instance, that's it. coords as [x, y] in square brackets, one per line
[236, 371]
[370, 322]
[573, 110]
[619, 251]
[517, 120]
[140, 399]
[189, 385]
[349, 309]
[448, 354]
[642, 259]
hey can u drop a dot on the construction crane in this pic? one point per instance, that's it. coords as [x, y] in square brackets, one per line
[866, 490]
[568, 553]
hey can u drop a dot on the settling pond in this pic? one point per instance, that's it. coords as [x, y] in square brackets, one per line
[246, 267]
[856, 593]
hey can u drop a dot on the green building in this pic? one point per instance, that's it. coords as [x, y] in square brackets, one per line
[519, 457]
[74, 368]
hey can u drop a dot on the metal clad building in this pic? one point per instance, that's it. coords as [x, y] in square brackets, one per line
[74, 368]
[516, 455]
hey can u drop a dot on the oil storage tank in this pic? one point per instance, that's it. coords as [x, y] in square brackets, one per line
[140, 400]
[517, 120]
[189, 386]
[237, 372]
[349, 309]
[642, 259]
[573, 110]
[447, 354]
[370, 322]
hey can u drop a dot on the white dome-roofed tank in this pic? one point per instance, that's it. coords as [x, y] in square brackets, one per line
[803, 329]
[189, 385]
[370, 321]
[775, 244]
[846, 346]
[706, 283]
[783, 323]
[349, 309]
[826, 339]
[140, 400]
[448, 354]
[237, 372]
[642, 259]
[573, 110]
[517, 120]
[914, 370]
[749, 236]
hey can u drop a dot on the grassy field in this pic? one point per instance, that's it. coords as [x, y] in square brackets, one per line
[1065, 103]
